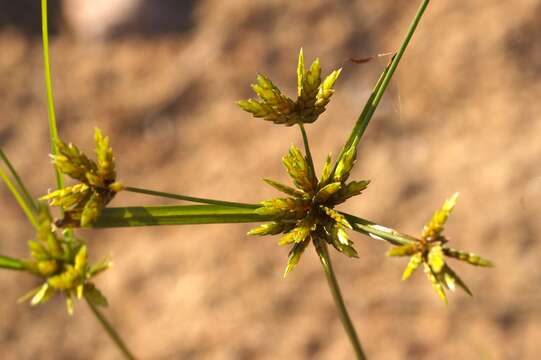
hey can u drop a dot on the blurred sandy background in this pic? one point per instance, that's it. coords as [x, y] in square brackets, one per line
[161, 78]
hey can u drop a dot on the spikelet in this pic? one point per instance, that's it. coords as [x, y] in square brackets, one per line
[413, 264]
[272, 228]
[284, 208]
[468, 257]
[298, 168]
[345, 164]
[435, 226]
[295, 255]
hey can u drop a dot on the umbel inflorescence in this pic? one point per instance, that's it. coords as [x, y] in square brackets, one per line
[308, 213]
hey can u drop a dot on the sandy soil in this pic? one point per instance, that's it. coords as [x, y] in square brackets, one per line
[461, 115]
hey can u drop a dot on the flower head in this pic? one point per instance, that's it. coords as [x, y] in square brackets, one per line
[431, 250]
[62, 262]
[82, 203]
[308, 212]
[313, 95]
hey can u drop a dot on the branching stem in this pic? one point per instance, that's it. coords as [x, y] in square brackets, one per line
[325, 260]
[189, 198]
[307, 150]
[11, 263]
[113, 334]
[49, 89]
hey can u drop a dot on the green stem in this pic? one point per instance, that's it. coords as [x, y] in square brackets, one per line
[383, 82]
[28, 198]
[307, 150]
[378, 231]
[113, 334]
[177, 215]
[30, 214]
[49, 88]
[11, 263]
[338, 299]
[189, 198]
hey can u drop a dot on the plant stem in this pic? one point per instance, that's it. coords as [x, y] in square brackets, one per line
[22, 187]
[49, 89]
[189, 198]
[30, 214]
[307, 150]
[11, 263]
[113, 334]
[378, 232]
[177, 215]
[381, 85]
[325, 260]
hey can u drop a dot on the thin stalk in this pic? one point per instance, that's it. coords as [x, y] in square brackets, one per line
[113, 334]
[22, 187]
[49, 89]
[307, 150]
[383, 82]
[338, 299]
[177, 215]
[189, 198]
[378, 232]
[28, 211]
[11, 263]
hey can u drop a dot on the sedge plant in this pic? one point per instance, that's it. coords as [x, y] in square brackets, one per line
[306, 214]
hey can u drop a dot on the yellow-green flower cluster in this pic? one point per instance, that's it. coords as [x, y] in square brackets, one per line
[431, 250]
[63, 264]
[313, 95]
[82, 203]
[308, 213]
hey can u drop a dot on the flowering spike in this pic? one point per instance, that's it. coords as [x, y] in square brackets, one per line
[470, 258]
[297, 234]
[404, 250]
[272, 228]
[299, 170]
[284, 208]
[351, 189]
[435, 259]
[435, 226]
[336, 216]
[294, 256]
[326, 192]
[104, 156]
[326, 172]
[436, 284]
[413, 264]
[326, 90]
[345, 164]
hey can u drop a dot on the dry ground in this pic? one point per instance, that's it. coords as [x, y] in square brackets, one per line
[461, 115]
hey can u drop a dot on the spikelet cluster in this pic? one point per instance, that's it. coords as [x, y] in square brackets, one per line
[313, 95]
[430, 251]
[82, 203]
[62, 262]
[308, 213]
